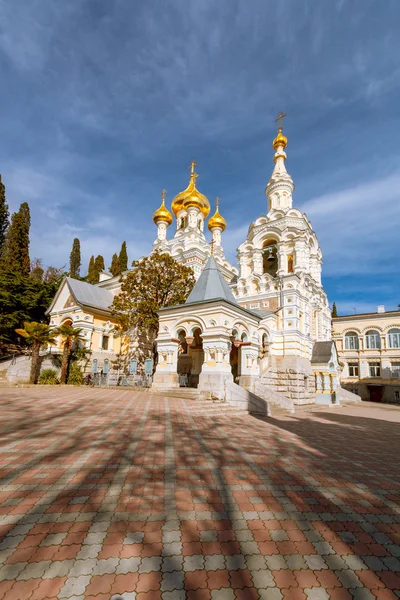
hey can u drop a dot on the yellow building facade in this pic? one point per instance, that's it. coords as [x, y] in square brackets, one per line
[369, 354]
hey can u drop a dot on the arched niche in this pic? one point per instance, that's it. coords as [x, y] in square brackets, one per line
[270, 257]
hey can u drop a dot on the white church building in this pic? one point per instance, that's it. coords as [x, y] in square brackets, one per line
[266, 327]
[259, 331]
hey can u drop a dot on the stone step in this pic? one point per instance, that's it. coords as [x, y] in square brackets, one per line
[189, 393]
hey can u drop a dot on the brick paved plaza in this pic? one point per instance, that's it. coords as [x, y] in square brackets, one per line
[126, 495]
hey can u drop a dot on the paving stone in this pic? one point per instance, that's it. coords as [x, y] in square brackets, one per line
[263, 578]
[175, 595]
[9, 572]
[74, 586]
[58, 568]
[253, 563]
[223, 594]
[83, 567]
[104, 566]
[249, 548]
[323, 548]
[315, 562]
[294, 562]
[128, 565]
[171, 563]
[95, 538]
[134, 538]
[34, 570]
[270, 594]
[374, 563]
[392, 563]
[217, 562]
[172, 536]
[193, 563]
[348, 579]
[172, 581]
[316, 593]
[279, 535]
[146, 458]
[244, 535]
[89, 551]
[354, 562]
[54, 539]
[362, 594]
[150, 564]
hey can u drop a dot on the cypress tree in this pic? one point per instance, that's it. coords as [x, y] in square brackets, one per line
[96, 265]
[115, 268]
[75, 259]
[99, 263]
[123, 258]
[91, 276]
[4, 215]
[15, 254]
[334, 310]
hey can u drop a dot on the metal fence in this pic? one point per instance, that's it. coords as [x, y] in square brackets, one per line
[109, 379]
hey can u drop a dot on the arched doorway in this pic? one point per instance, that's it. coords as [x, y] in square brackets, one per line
[190, 357]
[197, 353]
[234, 355]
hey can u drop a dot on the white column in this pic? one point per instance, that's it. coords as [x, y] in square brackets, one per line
[166, 375]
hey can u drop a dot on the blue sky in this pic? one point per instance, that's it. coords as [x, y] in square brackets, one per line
[105, 102]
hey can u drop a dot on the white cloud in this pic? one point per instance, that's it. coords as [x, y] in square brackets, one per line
[358, 227]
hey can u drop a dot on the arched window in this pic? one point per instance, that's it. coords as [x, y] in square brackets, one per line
[265, 342]
[106, 366]
[183, 342]
[244, 337]
[351, 341]
[94, 365]
[290, 263]
[394, 338]
[372, 339]
[133, 366]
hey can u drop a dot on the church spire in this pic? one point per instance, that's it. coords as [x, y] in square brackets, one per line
[280, 186]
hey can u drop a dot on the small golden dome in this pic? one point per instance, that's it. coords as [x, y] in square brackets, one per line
[191, 197]
[217, 220]
[280, 140]
[162, 213]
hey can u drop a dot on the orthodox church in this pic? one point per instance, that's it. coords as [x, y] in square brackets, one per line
[262, 329]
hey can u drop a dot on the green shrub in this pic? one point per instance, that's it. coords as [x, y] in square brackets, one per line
[48, 377]
[75, 376]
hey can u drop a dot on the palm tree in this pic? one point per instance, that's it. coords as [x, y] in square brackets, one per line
[69, 335]
[36, 334]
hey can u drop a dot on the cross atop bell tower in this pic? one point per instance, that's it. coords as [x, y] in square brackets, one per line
[280, 186]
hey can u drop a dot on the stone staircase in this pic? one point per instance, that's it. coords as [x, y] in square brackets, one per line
[188, 393]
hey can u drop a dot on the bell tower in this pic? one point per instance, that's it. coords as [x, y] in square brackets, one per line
[280, 187]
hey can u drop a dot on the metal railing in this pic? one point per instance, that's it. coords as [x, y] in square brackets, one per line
[111, 380]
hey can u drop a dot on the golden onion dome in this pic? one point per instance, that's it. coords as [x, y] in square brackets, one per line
[191, 197]
[162, 213]
[217, 220]
[280, 140]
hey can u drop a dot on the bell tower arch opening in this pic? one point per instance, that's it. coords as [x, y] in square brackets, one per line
[270, 258]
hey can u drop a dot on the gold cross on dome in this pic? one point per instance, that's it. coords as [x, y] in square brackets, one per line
[279, 118]
[163, 194]
[217, 201]
[192, 166]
